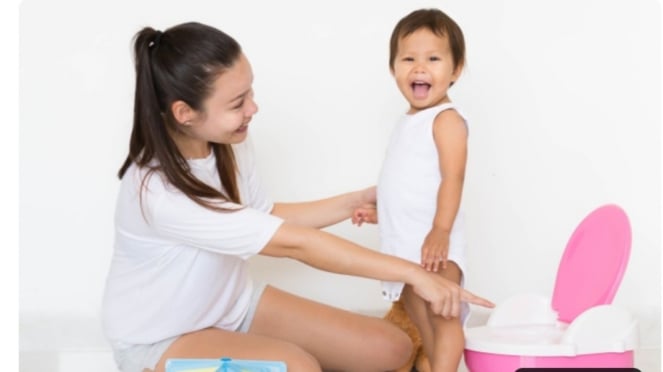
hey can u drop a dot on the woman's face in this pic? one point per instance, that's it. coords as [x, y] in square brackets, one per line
[228, 110]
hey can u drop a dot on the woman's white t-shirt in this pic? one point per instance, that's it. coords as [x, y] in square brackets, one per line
[178, 267]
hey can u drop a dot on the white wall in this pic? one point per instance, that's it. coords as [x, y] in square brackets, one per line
[563, 99]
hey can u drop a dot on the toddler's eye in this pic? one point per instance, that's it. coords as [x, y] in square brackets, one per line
[408, 59]
[434, 58]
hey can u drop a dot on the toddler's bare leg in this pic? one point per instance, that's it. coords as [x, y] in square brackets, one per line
[449, 336]
[443, 339]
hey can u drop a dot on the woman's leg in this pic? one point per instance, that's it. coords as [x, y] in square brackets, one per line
[338, 339]
[213, 343]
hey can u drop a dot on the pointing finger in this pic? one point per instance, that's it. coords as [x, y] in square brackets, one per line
[474, 299]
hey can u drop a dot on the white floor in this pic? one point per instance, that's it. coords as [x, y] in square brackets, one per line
[60, 344]
[77, 345]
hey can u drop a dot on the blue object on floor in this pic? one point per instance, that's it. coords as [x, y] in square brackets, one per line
[224, 365]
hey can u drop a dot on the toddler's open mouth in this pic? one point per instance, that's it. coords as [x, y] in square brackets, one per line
[420, 89]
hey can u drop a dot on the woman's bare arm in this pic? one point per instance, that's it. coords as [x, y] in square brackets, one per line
[331, 253]
[324, 212]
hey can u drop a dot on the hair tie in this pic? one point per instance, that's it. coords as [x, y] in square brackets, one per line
[157, 40]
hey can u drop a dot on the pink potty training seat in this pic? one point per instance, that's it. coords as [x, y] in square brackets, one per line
[579, 328]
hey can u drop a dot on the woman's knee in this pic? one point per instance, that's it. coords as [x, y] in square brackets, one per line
[299, 360]
[394, 348]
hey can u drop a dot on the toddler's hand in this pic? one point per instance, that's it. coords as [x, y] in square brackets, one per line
[435, 250]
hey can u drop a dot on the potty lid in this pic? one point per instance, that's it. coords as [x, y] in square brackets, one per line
[593, 263]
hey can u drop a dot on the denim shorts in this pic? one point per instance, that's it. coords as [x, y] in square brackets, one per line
[137, 358]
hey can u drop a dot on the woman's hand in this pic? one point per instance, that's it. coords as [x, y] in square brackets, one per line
[366, 212]
[445, 296]
[369, 196]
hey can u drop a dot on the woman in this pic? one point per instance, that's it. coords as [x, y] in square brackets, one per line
[191, 210]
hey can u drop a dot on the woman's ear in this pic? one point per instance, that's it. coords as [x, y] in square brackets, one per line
[183, 113]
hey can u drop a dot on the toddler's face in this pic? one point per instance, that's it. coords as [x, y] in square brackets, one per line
[424, 69]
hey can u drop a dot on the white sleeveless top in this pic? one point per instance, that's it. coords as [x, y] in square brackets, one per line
[407, 194]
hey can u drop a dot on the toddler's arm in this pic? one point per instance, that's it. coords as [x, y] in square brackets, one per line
[450, 135]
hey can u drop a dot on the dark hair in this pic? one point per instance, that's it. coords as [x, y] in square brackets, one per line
[180, 63]
[437, 22]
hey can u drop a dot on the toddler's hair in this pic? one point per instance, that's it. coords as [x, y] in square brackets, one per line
[437, 22]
